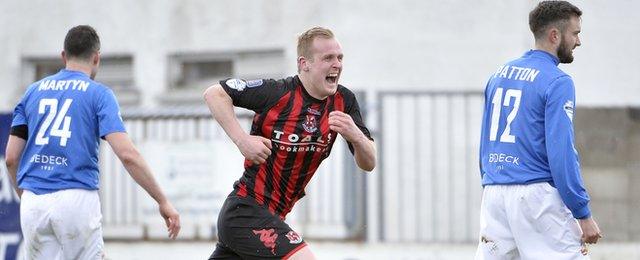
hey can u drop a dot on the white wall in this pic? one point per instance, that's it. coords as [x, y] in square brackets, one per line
[388, 44]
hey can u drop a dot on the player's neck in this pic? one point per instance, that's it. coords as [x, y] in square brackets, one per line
[547, 48]
[308, 86]
[78, 66]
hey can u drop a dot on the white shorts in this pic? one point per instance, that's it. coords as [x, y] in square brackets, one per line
[62, 225]
[527, 222]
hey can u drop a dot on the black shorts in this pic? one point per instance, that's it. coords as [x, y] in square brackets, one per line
[247, 230]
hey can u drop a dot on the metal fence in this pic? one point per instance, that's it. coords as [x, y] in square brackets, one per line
[425, 188]
[428, 186]
[196, 165]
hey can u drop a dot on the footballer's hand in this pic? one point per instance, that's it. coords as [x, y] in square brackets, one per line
[254, 148]
[171, 219]
[590, 230]
[343, 124]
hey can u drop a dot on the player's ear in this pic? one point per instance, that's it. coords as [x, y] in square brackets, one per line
[96, 58]
[64, 57]
[303, 64]
[554, 35]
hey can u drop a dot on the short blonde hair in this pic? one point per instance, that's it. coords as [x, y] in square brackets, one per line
[305, 40]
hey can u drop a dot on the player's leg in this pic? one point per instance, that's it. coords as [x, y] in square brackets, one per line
[303, 253]
[39, 240]
[495, 241]
[543, 226]
[77, 224]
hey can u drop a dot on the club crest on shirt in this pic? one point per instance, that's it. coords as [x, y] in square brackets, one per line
[293, 237]
[568, 108]
[236, 84]
[309, 124]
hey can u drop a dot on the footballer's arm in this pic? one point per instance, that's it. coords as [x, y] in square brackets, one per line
[15, 147]
[255, 148]
[364, 150]
[139, 170]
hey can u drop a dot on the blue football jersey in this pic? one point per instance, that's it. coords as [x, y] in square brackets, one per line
[66, 115]
[527, 129]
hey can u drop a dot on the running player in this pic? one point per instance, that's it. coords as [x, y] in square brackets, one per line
[295, 125]
[534, 204]
[54, 140]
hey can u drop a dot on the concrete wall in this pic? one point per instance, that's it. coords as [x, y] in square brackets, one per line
[609, 144]
[392, 44]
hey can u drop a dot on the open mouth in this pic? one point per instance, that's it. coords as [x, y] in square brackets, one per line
[332, 78]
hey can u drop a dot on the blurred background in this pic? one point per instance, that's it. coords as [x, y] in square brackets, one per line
[418, 69]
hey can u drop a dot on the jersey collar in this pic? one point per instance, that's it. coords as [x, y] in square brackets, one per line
[306, 94]
[544, 55]
[66, 71]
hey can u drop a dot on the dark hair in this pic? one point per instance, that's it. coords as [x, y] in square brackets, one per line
[551, 13]
[81, 41]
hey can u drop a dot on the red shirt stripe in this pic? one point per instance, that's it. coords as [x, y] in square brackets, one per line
[280, 157]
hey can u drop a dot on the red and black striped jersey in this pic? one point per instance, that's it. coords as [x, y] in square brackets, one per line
[297, 125]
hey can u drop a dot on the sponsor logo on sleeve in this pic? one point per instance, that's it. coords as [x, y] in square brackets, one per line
[568, 108]
[254, 83]
[236, 84]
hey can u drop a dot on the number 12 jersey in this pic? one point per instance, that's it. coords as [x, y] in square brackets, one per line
[527, 129]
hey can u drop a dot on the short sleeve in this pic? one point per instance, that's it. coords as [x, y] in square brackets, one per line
[353, 109]
[108, 113]
[255, 95]
[19, 115]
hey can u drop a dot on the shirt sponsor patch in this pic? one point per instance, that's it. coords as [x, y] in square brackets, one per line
[293, 237]
[236, 84]
[568, 108]
[254, 83]
[313, 111]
